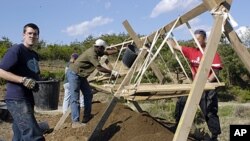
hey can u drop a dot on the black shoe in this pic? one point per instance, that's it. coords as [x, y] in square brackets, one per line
[87, 118]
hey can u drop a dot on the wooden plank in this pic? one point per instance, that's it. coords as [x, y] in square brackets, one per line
[132, 34]
[154, 97]
[91, 77]
[170, 87]
[101, 88]
[194, 97]
[212, 4]
[157, 72]
[139, 44]
[62, 119]
[234, 39]
[198, 10]
[237, 45]
[137, 61]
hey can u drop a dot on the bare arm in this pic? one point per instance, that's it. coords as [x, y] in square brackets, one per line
[10, 76]
[173, 44]
[111, 51]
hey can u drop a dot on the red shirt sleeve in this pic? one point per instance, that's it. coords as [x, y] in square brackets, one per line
[186, 51]
[217, 64]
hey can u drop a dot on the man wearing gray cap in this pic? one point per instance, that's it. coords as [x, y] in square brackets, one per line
[77, 75]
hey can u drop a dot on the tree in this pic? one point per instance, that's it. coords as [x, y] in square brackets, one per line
[4, 45]
[233, 70]
[244, 33]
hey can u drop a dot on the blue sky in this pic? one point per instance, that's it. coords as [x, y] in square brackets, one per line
[65, 21]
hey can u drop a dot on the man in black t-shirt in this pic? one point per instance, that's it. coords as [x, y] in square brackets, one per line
[19, 67]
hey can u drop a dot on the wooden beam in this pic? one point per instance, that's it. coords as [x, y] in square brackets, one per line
[62, 119]
[194, 97]
[101, 88]
[170, 87]
[212, 4]
[198, 10]
[153, 97]
[237, 45]
[139, 44]
[132, 34]
[157, 72]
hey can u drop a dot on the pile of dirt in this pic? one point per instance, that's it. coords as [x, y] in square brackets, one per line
[123, 124]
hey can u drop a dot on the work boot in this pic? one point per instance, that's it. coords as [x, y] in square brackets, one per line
[77, 124]
[87, 118]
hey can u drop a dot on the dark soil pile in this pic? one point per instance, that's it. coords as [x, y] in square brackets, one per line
[123, 125]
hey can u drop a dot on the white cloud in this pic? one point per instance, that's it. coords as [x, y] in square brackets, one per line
[107, 5]
[84, 27]
[165, 6]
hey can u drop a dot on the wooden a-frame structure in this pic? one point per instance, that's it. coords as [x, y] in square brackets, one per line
[128, 91]
[198, 85]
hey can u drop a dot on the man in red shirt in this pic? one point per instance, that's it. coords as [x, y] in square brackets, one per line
[209, 100]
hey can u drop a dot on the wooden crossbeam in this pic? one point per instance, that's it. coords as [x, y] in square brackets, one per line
[146, 88]
[157, 72]
[194, 97]
[198, 10]
[62, 119]
[212, 4]
[237, 45]
[154, 97]
[139, 44]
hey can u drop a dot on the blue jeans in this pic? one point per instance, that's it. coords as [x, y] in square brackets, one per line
[24, 125]
[66, 98]
[77, 83]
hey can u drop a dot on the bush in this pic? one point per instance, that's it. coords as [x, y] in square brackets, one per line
[242, 95]
[2, 81]
[46, 75]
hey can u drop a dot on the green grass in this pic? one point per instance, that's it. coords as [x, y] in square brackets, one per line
[226, 111]
[229, 113]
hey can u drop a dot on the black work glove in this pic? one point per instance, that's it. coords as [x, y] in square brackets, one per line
[30, 84]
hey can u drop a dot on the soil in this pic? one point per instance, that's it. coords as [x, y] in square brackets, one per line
[123, 124]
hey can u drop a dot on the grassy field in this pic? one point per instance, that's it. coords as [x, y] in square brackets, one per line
[229, 112]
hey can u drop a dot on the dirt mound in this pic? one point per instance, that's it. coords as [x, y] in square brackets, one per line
[123, 124]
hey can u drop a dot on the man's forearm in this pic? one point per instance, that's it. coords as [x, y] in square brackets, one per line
[10, 76]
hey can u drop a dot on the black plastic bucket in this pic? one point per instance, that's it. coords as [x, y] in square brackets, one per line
[130, 55]
[48, 95]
